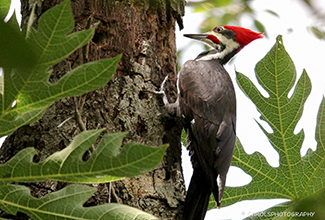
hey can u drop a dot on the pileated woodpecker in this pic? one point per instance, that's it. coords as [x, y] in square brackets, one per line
[206, 102]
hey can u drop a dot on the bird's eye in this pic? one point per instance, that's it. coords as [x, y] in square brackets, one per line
[218, 29]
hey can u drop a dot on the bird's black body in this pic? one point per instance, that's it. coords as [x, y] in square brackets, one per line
[207, 105]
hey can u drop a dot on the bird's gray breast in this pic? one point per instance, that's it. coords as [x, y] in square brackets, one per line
[208, 107]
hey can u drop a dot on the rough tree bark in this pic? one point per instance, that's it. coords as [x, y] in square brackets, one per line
[144, 31]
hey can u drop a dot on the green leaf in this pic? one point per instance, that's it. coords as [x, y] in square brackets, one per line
[52, 40]
[208, 4]
[105, 164]
[311, 207]
[297, 177]
[4, 9]
[260, 27]
[25, 91]
[317, 33]
[184, 138]
[15, 52]
[272, 13]
[64, 204]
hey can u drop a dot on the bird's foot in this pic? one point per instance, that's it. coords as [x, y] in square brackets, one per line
[161, 91]
[162, 88]
[171, 108]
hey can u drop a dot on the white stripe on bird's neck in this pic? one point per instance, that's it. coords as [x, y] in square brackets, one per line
[230, 46]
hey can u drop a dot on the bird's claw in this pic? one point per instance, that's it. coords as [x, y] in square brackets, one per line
[156, 92]
[162, 88]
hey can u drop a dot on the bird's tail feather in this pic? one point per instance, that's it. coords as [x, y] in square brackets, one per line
[197, 198]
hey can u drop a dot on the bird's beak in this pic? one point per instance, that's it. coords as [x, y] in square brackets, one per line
[201, 37]
[209, 38]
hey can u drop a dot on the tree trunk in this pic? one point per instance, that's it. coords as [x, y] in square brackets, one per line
[144, 32]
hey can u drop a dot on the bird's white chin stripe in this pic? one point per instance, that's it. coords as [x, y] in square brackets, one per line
[230, 46]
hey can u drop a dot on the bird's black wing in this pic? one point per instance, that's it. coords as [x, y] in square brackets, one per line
[208, 105]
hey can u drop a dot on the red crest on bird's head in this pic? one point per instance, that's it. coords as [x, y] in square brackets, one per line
[243, 35]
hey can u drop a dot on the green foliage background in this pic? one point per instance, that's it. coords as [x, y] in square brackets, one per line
[297, 178]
